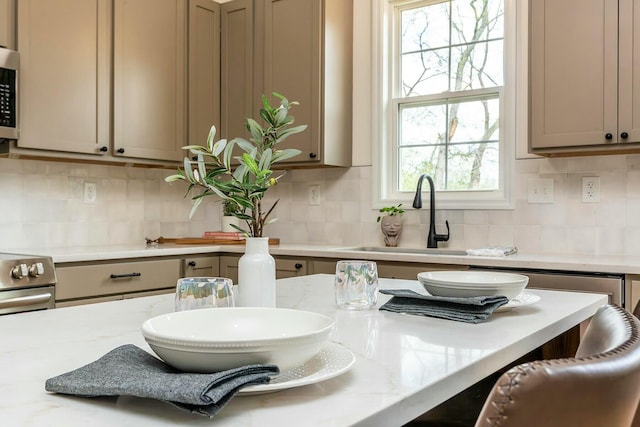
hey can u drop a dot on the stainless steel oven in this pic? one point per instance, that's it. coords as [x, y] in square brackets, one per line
[27, 283]
[9, 69]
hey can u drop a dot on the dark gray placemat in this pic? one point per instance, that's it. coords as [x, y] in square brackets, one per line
[471, 310]
[130, 371]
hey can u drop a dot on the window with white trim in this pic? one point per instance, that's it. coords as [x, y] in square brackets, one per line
[446, 100]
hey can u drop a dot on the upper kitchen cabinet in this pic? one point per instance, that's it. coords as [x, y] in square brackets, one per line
[7, 24]
[204, 69]
[236, 51]
[65, 75]
[149, 78]
[304, 52]
[584, 93]
[120, 81]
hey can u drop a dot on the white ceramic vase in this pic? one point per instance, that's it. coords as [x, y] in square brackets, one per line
[256, 275]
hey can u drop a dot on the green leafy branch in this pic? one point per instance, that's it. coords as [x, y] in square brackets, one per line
[213, 170]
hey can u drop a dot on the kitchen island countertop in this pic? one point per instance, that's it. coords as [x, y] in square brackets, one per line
[404, 365]
[560, 262]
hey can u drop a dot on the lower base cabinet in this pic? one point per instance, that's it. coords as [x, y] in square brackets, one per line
[285, 267]
[85, 283]
[208, 266]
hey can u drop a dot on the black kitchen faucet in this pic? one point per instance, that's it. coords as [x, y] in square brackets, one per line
[433, 238]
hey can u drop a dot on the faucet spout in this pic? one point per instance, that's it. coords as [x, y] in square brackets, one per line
[432, 238]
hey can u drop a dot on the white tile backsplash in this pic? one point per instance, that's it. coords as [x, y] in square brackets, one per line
[41, 204]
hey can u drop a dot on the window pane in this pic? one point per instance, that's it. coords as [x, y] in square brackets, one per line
[476, 66]
[425, 27]
[473, 167]
[474, 20]
[454, 142]
[418, 160]
[425, 72]
[475, 120]
[422, 125]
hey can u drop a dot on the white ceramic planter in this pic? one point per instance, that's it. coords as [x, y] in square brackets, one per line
[256, 275]
[227, 221]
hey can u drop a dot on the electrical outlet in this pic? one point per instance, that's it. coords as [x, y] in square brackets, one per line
[590, 189]
[90, 193]
[540, 190]
[314, 195]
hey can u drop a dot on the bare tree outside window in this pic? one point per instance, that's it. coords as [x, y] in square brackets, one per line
[449, 86]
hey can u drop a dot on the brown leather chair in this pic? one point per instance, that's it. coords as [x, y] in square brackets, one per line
[600, 386]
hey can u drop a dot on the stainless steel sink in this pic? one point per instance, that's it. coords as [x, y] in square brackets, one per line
[426, 251]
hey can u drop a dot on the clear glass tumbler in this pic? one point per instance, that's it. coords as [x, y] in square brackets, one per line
[356, 284]
[204, 292]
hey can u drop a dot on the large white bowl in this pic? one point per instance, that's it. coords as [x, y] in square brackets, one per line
[473, 283]
[216, 339]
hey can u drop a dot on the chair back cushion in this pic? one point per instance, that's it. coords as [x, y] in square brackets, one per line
[598, 387]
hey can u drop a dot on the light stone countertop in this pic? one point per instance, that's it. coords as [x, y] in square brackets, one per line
[404, 366]
[560, 262]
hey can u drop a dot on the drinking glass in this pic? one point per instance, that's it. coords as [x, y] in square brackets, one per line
[203, 292]
[356, 284]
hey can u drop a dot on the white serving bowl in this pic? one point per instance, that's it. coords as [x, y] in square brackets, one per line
[473, 283]
[215, 339]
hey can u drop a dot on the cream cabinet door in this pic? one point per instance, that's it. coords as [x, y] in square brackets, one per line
[285, 267]
[201, 267]
[65, 73]
[237, 74]
[7, 24]
[306, 55]
[584, 93]
[629, 71]
[292, 66]
[149, 55]
[204, 69]
[573, 72]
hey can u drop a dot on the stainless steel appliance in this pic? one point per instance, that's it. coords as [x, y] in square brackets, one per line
[611, 285]
[27, 283]
[9, 64]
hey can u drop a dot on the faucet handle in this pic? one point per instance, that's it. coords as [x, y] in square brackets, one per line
[443, 237]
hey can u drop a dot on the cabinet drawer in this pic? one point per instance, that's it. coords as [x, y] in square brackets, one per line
[81, 281]
[201, 267]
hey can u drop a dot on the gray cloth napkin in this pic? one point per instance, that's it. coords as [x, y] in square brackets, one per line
[471, 310]
[130, 371]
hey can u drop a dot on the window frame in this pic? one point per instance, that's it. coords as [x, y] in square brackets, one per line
[385, 110]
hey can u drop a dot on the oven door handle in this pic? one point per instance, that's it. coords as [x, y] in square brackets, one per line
[26, 301]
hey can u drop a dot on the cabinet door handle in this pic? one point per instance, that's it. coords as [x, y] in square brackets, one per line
[124, 276]
[608, 136]
[104, 149]
[191, 264]
[120, 150]
[298, 266]
[624, 135]
[313, 155]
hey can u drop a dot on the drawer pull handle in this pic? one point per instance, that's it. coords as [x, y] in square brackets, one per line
[298, 266]
[124, 276]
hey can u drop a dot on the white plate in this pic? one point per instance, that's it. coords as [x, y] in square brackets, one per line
[332, 360]
[521, 300]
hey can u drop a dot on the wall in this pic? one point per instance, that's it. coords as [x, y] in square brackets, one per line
[41, 206]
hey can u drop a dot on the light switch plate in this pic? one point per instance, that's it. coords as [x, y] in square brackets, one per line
[540, 190]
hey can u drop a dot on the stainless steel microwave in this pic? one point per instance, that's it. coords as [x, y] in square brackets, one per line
[9, 67]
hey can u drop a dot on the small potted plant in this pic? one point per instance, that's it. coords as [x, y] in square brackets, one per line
[230, 222]
[391, 224]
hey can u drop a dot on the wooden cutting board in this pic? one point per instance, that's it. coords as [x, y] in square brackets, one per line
[203, 241]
